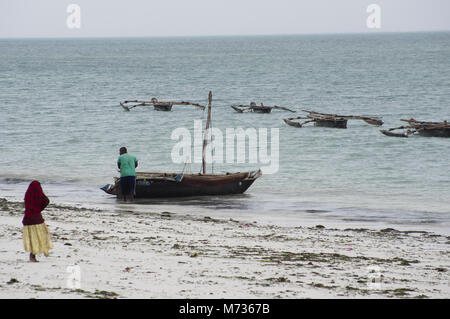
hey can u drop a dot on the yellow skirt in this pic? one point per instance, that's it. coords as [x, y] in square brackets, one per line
[37, 239]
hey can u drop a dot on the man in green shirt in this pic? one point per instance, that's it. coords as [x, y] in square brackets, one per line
[127, 164]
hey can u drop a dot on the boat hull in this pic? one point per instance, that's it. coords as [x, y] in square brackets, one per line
[438, 132]
[292, 123]
[336, 123]
[261, 109]
[256, 109]
[389, 133]
[173, 189]
[163, 107]
[174, 185]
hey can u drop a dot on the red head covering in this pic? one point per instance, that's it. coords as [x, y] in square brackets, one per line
[35, 199]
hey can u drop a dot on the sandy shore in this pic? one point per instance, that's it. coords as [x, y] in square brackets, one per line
[126, 254]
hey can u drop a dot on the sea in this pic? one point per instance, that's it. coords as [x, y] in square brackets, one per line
[61, 122]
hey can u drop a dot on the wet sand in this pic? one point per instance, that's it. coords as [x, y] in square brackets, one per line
[151, 254]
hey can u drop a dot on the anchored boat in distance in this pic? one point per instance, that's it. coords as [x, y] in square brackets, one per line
[433, 129]
[258, 109]
[331, 120]
[158, 105]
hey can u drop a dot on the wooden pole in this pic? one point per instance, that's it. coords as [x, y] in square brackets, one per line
[205, 138]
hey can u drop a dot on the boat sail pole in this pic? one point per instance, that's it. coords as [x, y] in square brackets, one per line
[205, 138]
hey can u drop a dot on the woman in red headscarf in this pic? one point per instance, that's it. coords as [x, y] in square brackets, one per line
[36, 237]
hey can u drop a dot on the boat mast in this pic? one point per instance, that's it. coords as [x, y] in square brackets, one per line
[205, 138]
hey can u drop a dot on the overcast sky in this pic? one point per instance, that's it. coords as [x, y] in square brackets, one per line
[143, 18]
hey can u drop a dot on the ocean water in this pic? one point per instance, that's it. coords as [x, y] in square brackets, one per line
[61, 122]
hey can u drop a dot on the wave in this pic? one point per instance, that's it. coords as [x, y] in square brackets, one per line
[42, 179]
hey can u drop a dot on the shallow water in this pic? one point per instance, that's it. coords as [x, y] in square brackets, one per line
[61, 123]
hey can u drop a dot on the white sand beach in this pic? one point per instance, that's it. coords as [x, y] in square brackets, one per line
[126, 254]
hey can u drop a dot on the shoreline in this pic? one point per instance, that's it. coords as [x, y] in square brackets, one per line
[265, 208]
[148, 254]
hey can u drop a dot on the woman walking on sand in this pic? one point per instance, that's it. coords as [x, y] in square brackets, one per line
[36, 237]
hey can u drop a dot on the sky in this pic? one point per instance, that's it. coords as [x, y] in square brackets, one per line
[161, 18]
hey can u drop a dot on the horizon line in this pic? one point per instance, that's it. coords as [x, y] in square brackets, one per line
[375, 32]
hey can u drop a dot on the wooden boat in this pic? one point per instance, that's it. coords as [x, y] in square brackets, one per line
[258, 109]
[330, 120]
[155, 185]
[292, 123]
[157, 105]
[390, 133]
[428, 129]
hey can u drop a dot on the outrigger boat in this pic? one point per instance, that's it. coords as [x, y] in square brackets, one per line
[158, 105]
[434, 129]
[258, 109]
[330, 120]
[154, 184]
